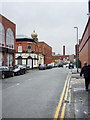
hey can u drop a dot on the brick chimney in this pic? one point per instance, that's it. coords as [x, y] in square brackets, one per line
[63, 50]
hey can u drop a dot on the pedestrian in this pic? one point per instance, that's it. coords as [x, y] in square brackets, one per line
[85, 70]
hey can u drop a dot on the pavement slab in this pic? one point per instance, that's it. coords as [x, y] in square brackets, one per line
[79, 99]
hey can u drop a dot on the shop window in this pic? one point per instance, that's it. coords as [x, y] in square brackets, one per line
[19, 60]
[34, 60]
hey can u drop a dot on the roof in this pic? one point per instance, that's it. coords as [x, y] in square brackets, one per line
[24, 38]
[7, 19]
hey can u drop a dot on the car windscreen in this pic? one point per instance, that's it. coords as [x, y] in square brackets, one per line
[4, 68]
[42, 65]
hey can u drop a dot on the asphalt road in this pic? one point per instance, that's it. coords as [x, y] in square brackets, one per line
[33, 95]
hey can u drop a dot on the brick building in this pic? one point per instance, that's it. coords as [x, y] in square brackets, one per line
[7, 41]
[84, 46]
[32, 53]
[27, 52]
[46, 50]
[60, 57]
[64, 57]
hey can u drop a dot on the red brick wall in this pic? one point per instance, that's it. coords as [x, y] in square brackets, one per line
[84, 47]
[25, 44]
[89, 49]
[8, 24]
[47, 51]
[83, 55]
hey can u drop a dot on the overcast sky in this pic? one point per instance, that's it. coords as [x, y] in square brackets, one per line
[54, 22]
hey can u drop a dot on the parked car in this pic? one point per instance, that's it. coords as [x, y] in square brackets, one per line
[67, 65]
[71, 66]
[56, 65]
[19, 70]
[42, 67]
[60, 65]
[6, 72]
[49, 66]
[52, 64]
[27, 67]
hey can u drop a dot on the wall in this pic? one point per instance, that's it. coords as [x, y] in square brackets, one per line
[8, 24]
[46, 50]
[84, 47]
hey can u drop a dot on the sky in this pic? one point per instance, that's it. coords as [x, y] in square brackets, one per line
[53, 21]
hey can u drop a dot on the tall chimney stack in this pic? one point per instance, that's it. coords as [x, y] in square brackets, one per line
[63, 50]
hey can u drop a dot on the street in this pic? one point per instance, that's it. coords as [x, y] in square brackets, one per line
[33, 95]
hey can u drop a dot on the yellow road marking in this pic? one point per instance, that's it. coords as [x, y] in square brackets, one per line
[61, 99]
[65, 98]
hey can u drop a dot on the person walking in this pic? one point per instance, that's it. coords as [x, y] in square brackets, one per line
[85, 70]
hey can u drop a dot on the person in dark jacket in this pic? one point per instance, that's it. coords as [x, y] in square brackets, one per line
[86, 72]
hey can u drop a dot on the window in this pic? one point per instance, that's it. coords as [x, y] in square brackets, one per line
[9, 38]
[28, 48]
[19, 48]
[34, 59]
[2, 35]
[9, 59]
[19, 60]
[1, 59]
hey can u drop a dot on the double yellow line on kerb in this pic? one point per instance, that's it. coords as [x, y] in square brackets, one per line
[63, 96]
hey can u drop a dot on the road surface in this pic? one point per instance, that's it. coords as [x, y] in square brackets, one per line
[33, 95]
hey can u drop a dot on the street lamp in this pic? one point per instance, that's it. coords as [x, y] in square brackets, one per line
[77, 48]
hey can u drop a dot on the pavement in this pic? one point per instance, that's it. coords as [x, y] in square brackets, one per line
[78, 106]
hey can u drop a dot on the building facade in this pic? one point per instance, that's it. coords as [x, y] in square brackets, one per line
[56, 58]
[64, 58]
[7, 41]
[27, 52]
[46, 50]
[32, 53]
[84, 45]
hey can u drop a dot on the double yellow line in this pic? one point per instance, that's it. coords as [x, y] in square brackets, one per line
[63, 96]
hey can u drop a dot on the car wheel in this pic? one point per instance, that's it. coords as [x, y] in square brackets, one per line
[22, 72]
[18, 73]
[3, 76]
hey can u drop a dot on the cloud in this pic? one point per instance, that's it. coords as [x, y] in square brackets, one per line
[43, 0]
[54, 22]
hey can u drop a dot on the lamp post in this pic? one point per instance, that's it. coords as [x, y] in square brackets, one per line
[77, 49]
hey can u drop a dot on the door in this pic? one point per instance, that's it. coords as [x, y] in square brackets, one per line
[29, 62]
